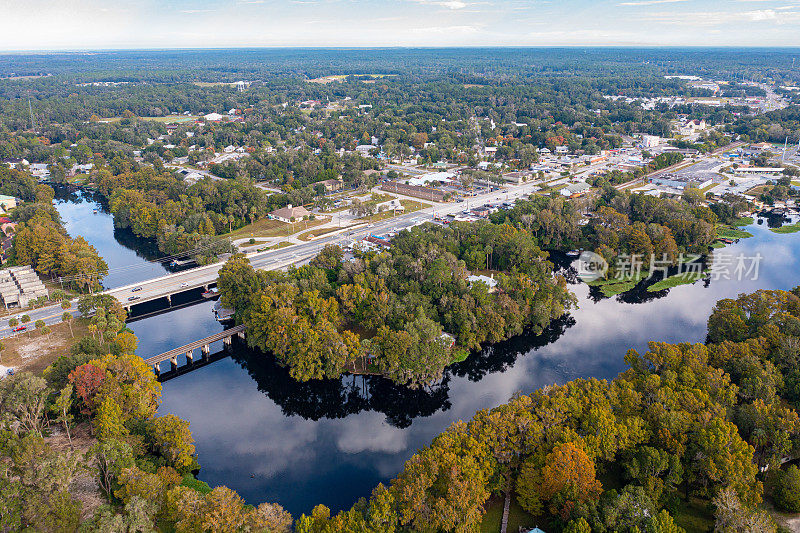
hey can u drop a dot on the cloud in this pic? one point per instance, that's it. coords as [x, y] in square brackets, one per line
[194, 11]
[449, 4]
[650, 2]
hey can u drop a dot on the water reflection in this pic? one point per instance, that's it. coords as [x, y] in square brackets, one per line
[300, 444]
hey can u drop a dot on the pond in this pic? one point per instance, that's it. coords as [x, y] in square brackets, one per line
[300, 444]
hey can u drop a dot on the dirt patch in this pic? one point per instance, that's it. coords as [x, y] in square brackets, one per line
[33, 351]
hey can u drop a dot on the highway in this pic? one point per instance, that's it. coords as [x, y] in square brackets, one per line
[170, 284]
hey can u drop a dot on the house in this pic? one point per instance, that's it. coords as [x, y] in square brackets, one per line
[365, 148]
[290, 213]
[392, 205]
[331, 185]
[7, 203]
[692, 126]
[489, 281]
[573, 190]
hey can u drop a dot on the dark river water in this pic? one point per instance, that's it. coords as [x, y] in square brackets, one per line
[300, 444]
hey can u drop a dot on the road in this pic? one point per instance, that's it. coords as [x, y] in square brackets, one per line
[194, 278]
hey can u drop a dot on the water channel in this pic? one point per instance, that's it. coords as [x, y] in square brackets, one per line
[300, 444]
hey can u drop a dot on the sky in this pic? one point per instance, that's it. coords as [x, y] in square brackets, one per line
[104, 24]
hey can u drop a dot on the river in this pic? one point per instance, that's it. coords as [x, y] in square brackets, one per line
[300, 444]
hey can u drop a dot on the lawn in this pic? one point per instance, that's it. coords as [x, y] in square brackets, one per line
[517, 517]
[268, 227]
[728, 232]
[307, 236]
[409, 205]
[673, 281]
[791, 228]
[743, 221]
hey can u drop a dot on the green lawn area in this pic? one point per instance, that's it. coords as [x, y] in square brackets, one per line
[716, 245]
[410, 207]
[743, 221]
[791, 228]
[517, 517]
[613, 286]
[316, 233]
[267, 227]
[673, 281]
[728, 232]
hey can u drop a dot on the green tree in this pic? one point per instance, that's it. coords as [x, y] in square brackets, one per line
[786, 490]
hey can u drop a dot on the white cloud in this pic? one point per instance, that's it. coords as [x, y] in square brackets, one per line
[650, 2]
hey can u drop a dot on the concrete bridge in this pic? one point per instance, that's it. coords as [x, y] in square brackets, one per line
[188, 349]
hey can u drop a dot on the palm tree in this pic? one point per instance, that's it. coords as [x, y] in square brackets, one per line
[25, 319]
[67, 317]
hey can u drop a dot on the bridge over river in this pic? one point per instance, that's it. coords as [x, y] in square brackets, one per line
[188, 349]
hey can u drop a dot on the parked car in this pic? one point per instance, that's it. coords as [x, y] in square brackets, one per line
[136, 289]
[19, 328]
[133, 298]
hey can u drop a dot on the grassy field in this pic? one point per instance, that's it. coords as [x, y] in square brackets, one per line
[790, 228]
[613, 286]
[743, 221]
[672, 281]
[517, 517]
[267, 227]
[307, 236]
[409, 205]
[728, 232]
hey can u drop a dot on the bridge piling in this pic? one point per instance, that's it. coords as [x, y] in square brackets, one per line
[173, 361]
[190, 356]
[226, 341]
[157, 369]
[205, 350]
[169, 299]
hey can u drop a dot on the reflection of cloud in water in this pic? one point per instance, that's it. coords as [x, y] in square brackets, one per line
[241, 430]
[369, 432]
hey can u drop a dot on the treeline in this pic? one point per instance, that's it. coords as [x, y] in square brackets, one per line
[41, 241]
[388, 312]
[621, 223]
[182, 218]
[686, 432]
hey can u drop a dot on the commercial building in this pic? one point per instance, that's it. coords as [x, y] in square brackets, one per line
[290, 213]
[574, 190]
[20, 285]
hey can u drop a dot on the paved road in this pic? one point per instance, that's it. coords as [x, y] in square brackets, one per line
[50, 314]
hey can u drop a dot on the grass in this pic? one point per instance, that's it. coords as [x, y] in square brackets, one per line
[268, 227]
[612, 289]
[169, 119]
[790, 228]
[409, 205]
[672, 281]
[728, 232]
[193, 483]
[309, 235]
[743, 221]
[716, 245]
[517, 517]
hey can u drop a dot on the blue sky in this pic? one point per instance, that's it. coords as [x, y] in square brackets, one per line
[92, 24]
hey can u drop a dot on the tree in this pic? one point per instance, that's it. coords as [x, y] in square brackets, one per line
[568, 478]
[22, 399]
[732, 516]
[170, 437]
[25, 319]
[40, 324]
[62, 406]
[786, 490]
[67, 317]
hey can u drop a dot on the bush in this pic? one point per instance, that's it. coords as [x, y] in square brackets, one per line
[786, 492]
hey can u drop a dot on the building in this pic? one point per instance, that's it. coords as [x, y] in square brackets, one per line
[290, 213]
[489, 281]
[365, 148]
[20, 286]
[7, 203]
[691, 126]
[331, 185]
[650, 141]
[392, 205]
[213, 117]
[573, 190]
[682, 181]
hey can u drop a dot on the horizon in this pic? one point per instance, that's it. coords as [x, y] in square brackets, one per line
[93, 25]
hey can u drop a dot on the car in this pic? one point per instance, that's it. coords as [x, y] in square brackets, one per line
[133, 298]
[184, 284]
[19, 328]
[10, 371]
[136, 289]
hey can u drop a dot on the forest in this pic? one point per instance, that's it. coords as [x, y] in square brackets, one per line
[689, 434]
[405, 313]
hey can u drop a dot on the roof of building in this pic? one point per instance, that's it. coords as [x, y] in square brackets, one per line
[291, 211]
